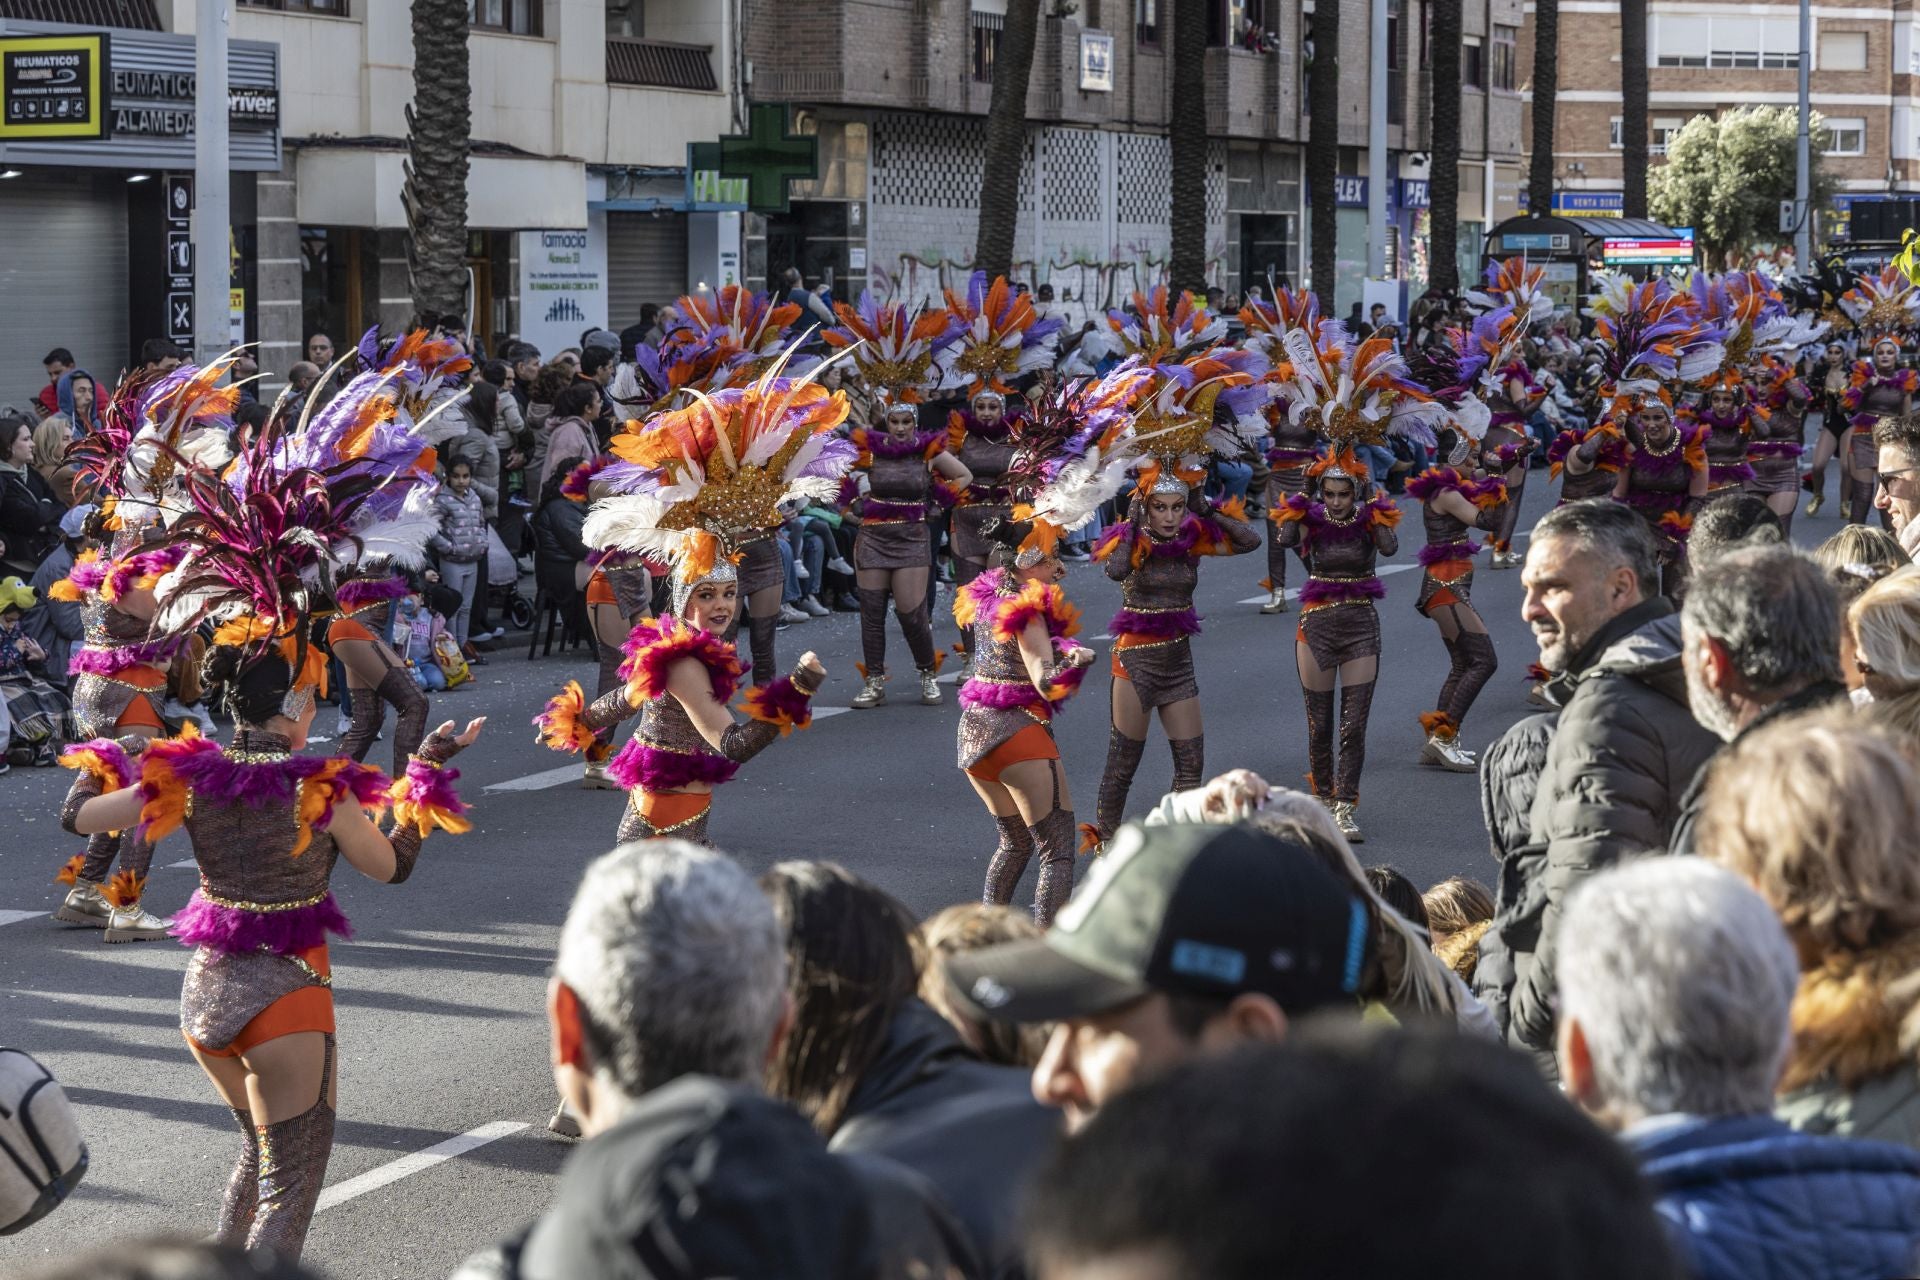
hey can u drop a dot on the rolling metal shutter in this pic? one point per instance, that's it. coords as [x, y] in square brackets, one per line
[646, 262]
[65, 272]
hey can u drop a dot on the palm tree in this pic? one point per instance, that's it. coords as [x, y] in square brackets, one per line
[1443, 190]
[1633, 106]
[1006, 139]
[1323, 145]
[1187, 136]
[438, 126]
[1546, 83]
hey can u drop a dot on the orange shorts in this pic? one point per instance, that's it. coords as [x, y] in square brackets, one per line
[139, 713]
[1445, 571]
[347, 629]
[599, 590]
[308, 1009]
[664, 809]
[1031, 743]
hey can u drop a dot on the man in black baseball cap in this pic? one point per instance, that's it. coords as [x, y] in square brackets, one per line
[1184, 940]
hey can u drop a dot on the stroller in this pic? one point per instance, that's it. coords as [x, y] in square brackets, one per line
[504, 598]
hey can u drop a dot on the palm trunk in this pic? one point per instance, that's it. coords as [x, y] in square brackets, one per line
[1323, 148]
[438, 132]
[1633, 106]
[1443, 214]
[1187, 138]
[1006, 139]
[1546, 83]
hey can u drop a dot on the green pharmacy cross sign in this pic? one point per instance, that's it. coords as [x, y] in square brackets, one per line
[767, 157]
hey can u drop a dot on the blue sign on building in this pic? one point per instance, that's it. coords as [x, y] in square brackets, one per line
[1605, 203]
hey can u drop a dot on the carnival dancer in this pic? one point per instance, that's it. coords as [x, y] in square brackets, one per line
[980, 437]
[898, 466]
[1070, 456]
[1291, 447]
[695, 481]
[1726, 417]
[1154, 554]
[1341, 537]
[619, 596]
[266, 825]
[154, 430]
[1512, 395]
[1879, 388]
[1779, 438]
[1665, 480]
[398, 401]
[1453, 504]
[1356, 392]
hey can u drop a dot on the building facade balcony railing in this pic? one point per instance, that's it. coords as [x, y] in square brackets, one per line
[133, 15]
[661, 64]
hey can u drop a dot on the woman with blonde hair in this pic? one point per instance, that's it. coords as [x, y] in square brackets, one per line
[50, 441]
[1884, 627]
[1818, 813]
[1459, 913]
[1855, 558]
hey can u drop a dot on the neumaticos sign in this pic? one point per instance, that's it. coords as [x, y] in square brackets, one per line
[143, 95]
[50, 86]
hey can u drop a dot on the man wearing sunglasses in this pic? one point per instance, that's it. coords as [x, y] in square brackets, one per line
[1898, 496]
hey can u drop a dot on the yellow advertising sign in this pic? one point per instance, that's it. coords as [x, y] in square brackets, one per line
[53, 86]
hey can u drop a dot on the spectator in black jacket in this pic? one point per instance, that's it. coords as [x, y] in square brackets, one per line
[560, 554]
[29, 515]
[1620, 756]
[55, 624]
[668, 994]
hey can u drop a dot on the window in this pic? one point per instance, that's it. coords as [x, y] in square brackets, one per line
[514, 17]
[1473, 63]
[627, 19]
[1613, 134]
[1843, 51]
[987, 29]
[1844, 136]
[337, 8]
[1504, 39]
[1746, 43]
[1146, 22]
[1664, 129]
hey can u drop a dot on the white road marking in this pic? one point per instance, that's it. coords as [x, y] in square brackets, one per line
[821, 713]
[540, 781]
[15, 917]
[1293, 593]
[184, 862]
[419, 1161]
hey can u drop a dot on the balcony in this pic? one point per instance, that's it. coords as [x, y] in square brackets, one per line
[1246, 97]
[133, 15]
[660, 64]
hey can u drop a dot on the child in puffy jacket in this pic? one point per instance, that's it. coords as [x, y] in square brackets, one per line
[461, 543]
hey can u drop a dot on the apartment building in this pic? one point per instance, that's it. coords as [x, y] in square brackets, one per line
[897, 92]
[1712, 57]
[578, 197]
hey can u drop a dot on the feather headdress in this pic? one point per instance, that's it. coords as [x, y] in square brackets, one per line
[694, 484]
[893, 348]
[1267, 323]
[1072, 452]
[1157, 334]
[1655, 337]
[155, 429]
[1175, 421]
[1749, 309]
[1354, 392]
[1883, 305]
[1000, 336]
[1458, 372]
[738, 333]
[1515, 283]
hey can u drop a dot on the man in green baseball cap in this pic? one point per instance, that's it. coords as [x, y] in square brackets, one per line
[1185, 940]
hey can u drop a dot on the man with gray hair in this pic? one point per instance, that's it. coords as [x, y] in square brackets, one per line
[1602, 781]
[1760, 638]
[668, 998]
[1676, 982]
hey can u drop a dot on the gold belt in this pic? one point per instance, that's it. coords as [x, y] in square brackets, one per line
[233, 905]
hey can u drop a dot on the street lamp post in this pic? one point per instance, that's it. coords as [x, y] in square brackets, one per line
[1803, 150]
[212, 250]
[1377, 177]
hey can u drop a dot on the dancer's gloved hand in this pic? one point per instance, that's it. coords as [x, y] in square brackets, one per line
[1080, 656]
[808, 674]
[441, 745]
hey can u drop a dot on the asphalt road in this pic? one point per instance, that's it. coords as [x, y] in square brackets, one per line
[442, 1037]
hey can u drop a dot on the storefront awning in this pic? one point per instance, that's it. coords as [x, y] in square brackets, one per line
[360, 187]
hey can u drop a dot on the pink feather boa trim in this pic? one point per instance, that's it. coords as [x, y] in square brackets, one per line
[111, 662]
[780, 703]
[653, 647]
[644, 768]
[424, 798]
[365, 591]
[203, 924]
